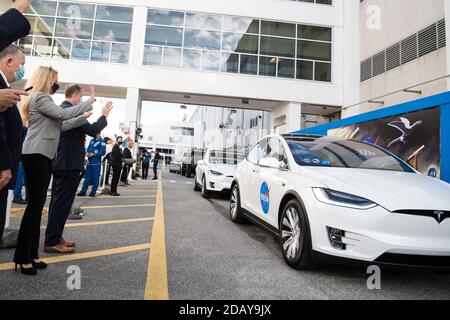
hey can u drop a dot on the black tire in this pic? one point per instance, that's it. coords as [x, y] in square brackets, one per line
[205, 192]
[196, 186]
[294, 227]
[235, 206]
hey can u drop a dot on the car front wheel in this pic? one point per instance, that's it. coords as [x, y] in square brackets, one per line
[205, 192]
[196, 186]
[295, 237]
[235, 206]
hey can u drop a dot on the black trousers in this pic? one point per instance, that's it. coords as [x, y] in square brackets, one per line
[107, 174]
[115, 178]
[145, 168]
[64, 189]
[155, 171]
[38, 171]
[3, 205]
[124, 177]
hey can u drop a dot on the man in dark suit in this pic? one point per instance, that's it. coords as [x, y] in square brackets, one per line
[116, 161]
[155, 160]
[67, 168]
[12, 60]
[126, 155]
[13, 25]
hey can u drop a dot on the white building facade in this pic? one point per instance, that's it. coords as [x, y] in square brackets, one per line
[285, 57]
[403, 52]
[225, 128]
[168, 138]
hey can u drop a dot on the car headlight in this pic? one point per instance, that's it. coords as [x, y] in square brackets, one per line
[216, 173]
[342, 199]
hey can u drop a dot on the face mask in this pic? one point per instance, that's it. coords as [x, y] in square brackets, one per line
[19, 74]
[55, 87]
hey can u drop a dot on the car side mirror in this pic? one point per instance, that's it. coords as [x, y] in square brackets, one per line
[270, 162]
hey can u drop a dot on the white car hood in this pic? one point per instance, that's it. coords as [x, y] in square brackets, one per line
[392, 190]
[226, 169]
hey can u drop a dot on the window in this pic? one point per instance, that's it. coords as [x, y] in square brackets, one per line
[256, 152]
[275, 150]
[329, 152]
[239, 45]
[80, 31]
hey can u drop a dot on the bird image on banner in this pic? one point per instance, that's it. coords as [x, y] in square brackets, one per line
[405, 127]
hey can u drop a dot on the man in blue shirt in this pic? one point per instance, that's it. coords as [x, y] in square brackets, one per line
[95, 152]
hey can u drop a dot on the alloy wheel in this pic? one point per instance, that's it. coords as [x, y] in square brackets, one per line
[234, 203]
[291, 233]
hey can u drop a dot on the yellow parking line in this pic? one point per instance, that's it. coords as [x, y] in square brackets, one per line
[104, 222]
[117, 198]
[85, 255]
[120, 206]
[156, 286]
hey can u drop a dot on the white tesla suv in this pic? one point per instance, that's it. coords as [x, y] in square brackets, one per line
[336, 200]
[215, 172]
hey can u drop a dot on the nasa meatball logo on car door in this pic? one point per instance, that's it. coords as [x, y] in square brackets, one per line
[265, 197]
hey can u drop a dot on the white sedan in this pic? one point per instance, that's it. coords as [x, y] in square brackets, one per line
[215, 172]
[336, 200]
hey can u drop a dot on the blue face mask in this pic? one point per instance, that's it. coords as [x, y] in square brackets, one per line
[19, 74]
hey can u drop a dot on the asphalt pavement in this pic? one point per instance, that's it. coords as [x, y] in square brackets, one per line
[163, 240]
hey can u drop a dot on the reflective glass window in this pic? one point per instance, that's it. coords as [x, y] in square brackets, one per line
[240, 25]
[74, 28]
[172, 57]
[167, 36]
[153, 55]
[286, 68]
[268, 66]
[114, 13]
[192, 59]
[211, 60]
[278, 29]
[111, 31]
[120, 52]
[203, 21]
[235, 42]
[76, 10]
[167, 18]
[229, 62]
[202, 39]
[248, 64]
[314, 33]
[277, 47]
[81, 49]
[100, 51]
[314, 50]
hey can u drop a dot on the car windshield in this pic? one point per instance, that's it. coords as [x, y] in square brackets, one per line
[219, 157]
[340, 153]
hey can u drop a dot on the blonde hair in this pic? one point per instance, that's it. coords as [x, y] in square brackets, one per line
[41, 81]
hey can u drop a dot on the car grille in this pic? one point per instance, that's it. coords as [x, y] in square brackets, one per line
[438, 215]
[413, 260]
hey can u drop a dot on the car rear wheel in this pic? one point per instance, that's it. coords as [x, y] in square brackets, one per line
[196, 186]
[295, 237]
[205, 192]
[235, 206]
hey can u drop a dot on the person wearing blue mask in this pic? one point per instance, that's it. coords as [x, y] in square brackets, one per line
[95, 152]
[12, 60]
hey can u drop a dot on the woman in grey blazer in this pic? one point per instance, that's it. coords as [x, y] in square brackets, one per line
[45, 121]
